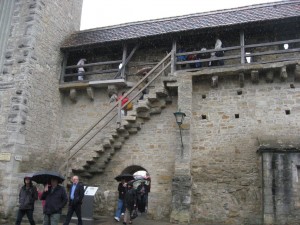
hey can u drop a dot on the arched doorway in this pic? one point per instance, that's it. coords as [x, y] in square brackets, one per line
[142, 183]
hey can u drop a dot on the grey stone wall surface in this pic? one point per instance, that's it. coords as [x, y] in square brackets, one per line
[225, 165]
[153, 148]
[30, 101]
[281, 187]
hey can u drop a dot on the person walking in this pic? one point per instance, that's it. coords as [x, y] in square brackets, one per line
[75, 200]
[130, 203]
[56, 198]
[142, 196]
[122, 191]
[27, 196]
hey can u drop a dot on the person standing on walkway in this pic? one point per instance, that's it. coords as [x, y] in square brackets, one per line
[75, 200]
[122, 191]
[56, 198]
[27, 196]
[81, 69]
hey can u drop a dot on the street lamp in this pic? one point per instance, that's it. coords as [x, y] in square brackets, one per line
[179, 120]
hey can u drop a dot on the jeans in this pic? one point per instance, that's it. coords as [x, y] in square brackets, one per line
[53, 218]
[73, 208]
[120, 208]
[28, 212]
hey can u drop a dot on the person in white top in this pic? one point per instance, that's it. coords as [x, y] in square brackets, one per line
[81, 69]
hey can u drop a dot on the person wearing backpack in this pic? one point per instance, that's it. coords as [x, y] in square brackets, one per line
[27, 196]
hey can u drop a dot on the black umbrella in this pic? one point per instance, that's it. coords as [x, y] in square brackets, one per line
[125, 176]
[44, 177]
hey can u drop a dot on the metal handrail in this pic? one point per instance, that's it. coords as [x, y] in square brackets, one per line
[113, 115]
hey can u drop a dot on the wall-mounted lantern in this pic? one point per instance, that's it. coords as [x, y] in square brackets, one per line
[179, 120]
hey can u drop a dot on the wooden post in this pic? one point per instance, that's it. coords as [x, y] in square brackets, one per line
[173, 58]
[123, 61]
[63, 67]
[242, 41]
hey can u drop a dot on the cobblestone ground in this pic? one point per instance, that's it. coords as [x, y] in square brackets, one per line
[140, 220]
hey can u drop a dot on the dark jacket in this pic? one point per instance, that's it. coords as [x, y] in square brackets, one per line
[122, 191]
[27, 196]
[78, 194]
[130, 199]
[55, 200]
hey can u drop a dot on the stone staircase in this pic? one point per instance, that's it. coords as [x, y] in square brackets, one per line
[90, 161]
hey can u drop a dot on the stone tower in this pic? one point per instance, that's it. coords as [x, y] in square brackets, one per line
[30, 64]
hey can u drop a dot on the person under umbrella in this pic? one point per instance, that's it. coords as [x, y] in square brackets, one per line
[56, 198]
[129, 202]
[27, 196]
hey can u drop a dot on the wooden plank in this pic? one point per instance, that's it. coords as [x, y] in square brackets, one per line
[73, 85]
[210, 59]
[272, 43]
[274, 52]
[91, 73]
[95, 64]
[207, 51]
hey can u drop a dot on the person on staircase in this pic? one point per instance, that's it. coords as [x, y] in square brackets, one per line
[75, 200]
[124, 100]
[121, 207]
[27, 196]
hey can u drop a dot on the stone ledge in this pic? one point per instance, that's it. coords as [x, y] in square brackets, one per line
[278, 144]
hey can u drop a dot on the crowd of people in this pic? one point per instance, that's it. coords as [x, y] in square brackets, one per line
[54, 198]
[203, 55]
[131, 200]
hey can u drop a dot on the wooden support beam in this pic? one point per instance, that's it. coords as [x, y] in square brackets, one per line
[255, 76]
[270, 76]
[242, 43]
[297, 73]
[283, 73]
[123, 61]
[90, 92]
[73, 95]
[242, 79]
[63, 67]
[173, 58]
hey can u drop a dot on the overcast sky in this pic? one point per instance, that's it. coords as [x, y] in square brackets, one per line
[101, 13]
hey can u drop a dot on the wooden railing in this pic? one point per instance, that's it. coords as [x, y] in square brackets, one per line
[246, 51]
[93, 130]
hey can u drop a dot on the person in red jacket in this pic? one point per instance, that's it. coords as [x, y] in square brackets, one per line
[123, 102]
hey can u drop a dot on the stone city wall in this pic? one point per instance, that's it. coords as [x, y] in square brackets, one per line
[225, 165]
[30, 101]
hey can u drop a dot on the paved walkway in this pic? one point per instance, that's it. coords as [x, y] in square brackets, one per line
[140, 220]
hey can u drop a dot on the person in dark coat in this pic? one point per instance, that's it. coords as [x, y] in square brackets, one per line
[27, 196]
[122, 191]
[129, 202]
[142, 196]
[56, 198]
[75, 200]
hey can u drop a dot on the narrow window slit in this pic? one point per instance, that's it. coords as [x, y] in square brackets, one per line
[236, 116]
[203, 96]
[287, 112]
[203, 117]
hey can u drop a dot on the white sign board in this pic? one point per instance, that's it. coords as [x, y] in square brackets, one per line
[90, 191]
